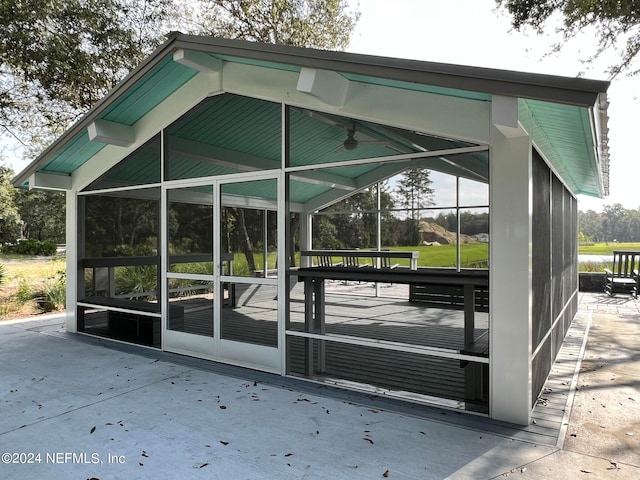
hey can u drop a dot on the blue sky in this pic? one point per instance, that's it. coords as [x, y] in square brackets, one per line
[472, 32]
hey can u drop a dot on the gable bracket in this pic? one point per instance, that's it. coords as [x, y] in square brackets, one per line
[199, 61]
[329, 87]
[111, 133]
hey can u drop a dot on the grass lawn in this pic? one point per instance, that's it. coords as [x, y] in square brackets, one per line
[23, 277]
[607, 248]
[471, 255]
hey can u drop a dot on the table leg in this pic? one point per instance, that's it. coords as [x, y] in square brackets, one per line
[308, 321]
[319, 321]
[472, 371]
[469, 313]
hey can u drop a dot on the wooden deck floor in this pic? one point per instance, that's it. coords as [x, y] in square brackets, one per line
[352, 313]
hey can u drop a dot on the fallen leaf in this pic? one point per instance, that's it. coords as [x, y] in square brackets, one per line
[144, 454]
[288, 454]
[203, 465]
[368, 440]
[93, 429]
[585, 471]
[224, 442]
[222, 407]
[385, 474]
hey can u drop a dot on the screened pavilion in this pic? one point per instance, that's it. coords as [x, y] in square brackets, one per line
[200, 191]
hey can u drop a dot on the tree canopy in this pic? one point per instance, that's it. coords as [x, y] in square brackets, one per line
[614, 224]
[59, 57]
[29, 214]
[616, 22]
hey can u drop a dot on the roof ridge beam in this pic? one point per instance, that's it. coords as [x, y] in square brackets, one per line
[327, 86]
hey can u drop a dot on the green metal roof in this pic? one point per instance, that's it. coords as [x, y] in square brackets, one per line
[149, 92]
[556, 111]
[73, 154]
[562, 134]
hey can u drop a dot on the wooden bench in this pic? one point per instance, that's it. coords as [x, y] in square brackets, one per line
[623, 276]
[449, 297]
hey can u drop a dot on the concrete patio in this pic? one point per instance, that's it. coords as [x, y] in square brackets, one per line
[75, 406]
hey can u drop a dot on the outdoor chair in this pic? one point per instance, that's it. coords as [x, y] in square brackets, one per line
[623, 277]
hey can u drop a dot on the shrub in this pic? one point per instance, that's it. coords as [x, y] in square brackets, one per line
[24, 293]
[54, 293]
[136, 280]
[32, 246]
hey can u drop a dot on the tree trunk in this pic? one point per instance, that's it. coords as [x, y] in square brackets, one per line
[294, 227]
[247, 246]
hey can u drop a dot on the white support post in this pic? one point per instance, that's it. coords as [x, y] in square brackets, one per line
[72, 261]
[510, 277]
[305, 237]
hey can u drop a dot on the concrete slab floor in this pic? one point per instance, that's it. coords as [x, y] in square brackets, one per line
[70, 409]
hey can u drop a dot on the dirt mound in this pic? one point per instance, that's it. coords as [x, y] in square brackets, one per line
[432, 233]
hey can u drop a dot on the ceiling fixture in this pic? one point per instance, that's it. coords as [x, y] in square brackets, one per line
[350, 142]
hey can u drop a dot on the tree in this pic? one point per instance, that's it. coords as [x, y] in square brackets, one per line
[414, 191]
[10, 222]
[42, 214]
[614, 223]
[617, 24]
[613, 216]
[325, 24]
[354, 223]
[59, 57]
[590, 223]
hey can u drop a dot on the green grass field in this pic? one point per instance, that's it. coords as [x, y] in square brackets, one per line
[472, 255]
[607, 248]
